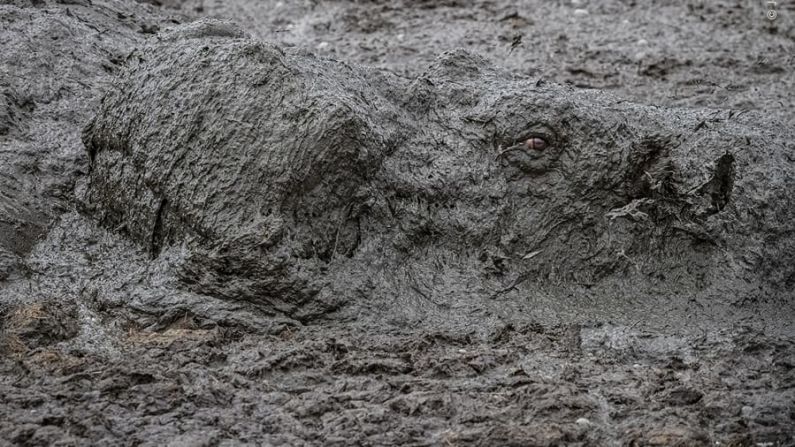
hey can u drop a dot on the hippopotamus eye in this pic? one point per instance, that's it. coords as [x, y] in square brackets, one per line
[536, 143]
[537, 136]
[536, 139]
[533, 143]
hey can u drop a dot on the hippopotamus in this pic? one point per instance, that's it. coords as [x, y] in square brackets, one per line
[303, 184]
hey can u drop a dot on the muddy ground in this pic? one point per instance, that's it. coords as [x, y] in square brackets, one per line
[88, 357]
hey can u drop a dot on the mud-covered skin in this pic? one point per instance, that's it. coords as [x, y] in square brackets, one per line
[276, 180]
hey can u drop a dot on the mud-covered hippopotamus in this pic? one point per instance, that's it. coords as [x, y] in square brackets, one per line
[300, 184]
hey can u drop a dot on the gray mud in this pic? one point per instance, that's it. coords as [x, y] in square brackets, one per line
[318, 223]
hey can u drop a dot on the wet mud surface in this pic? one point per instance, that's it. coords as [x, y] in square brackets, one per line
[397, 264]
[523, 385]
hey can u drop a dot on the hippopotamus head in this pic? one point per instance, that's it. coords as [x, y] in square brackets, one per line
[303, 184]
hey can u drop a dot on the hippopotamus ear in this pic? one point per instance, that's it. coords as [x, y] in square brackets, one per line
[205, 28]
[460, 65]
[453, 83]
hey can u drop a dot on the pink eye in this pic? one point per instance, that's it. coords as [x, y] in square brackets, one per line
[536, 143]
